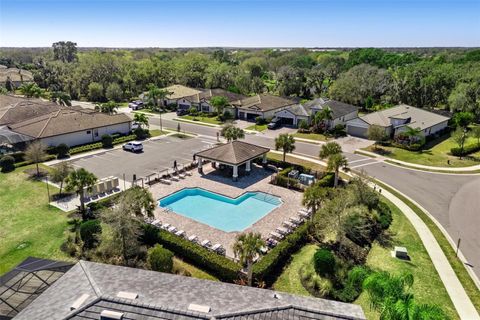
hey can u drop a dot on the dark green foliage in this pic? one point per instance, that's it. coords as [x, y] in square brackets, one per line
[468, 149]
[62, 150]
[89, 232]
[271, 265]
[7, 163]
[160, 259]
[220, 266]
[324, 261]
[360, 228]
[327, 181]
[149, 235]
[107, 141]
[352, 286]
[384, 215]
[26, 163]
[140, 133]
[260, 120]
[98, 145]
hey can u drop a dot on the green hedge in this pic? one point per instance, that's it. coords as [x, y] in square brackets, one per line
[26, 163]
[98, 145]
[220, 266]
[468, 149]
[271, 265]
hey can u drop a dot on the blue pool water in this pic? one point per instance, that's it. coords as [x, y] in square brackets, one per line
[219, 211]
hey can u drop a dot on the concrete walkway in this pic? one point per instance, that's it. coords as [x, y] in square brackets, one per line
[459, 297]
[421, 166]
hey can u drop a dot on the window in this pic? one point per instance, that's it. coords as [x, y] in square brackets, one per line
[95, 132]
[89, 132]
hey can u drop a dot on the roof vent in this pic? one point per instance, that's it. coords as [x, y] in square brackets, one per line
[77, 303]
[277, 296]
[111, 315]
[199, 308]
[127, 295]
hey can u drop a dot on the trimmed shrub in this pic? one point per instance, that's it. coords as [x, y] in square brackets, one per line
[149, 235]
[303, 125]
[7, 163]
[89, 231]
[62, 150]
[283, 181]
[98, 145]
[384, 215]
[324, 261]
[468, 149]
[271, 265]
[26, 163]
[327, 181]
[220, 266]
[160, 259]
[140, 133]
[107, 141]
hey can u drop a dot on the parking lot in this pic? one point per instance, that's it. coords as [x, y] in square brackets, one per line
[157, 155]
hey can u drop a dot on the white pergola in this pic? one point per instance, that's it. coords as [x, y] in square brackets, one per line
[233, 154]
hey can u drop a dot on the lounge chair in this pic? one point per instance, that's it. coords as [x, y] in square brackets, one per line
[277, 235]
[166, 226]
[180, 233]
[157, 223]
[218, 248]
[172, 229]
[264, 250]
[193, 238]
[206, 243]
[289, 224]
[188, 173]
[165, 181]
[181, 174]
[296, 220]
[304, 214]
[271, 242]
[283, 230]
[173, 178]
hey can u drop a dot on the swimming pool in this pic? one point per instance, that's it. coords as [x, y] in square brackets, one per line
[218, 211]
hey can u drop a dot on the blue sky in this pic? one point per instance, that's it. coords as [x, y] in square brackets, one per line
[244, 23]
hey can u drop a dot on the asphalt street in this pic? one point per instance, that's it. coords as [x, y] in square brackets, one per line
[451, 199]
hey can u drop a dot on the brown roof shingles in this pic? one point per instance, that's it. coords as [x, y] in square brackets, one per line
[235, 152]
[263, 102]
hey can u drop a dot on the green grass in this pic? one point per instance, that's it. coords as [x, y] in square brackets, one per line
[257, 127]
[457, 265]
[30, 227]
[311, 136]
[307, 164]
[436, 153]
[195, 272]
[289, 280]
[428, 287]
[157, 132]
[208, 120]
[430, 170]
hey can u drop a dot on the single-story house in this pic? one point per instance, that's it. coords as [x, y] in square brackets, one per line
[261, 105]
[92, 290]
[34, 119]
[395, 120]
[17, 76]
[341, 112]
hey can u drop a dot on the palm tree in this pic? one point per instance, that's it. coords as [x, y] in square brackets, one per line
[246, 247]
[230, 132]
[35, 153]
[313, 197]
[78, 181]
[61, 98]
[109, 107]
[219, 103]
[139, 202]
[31, 90]
[155, 94]
[335, 160]
[322, 118]
[286, 142]
[61, 172]
[412, 133]
[141, 119]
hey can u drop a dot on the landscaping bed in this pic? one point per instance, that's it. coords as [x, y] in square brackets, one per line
[204, 119]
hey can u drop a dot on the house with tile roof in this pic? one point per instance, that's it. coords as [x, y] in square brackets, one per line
[261, 105]
[99, 291]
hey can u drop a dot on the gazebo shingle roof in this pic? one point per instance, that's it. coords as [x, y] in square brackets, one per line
[234, 153]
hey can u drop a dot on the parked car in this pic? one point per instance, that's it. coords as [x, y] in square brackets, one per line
[136, 105]
[135, 125]
[182, 112]
[275, 123]
[133, 146]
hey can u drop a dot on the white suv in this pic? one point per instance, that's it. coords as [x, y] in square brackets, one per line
[133, 146]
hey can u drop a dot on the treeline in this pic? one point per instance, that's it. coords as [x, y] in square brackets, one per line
[371, 78]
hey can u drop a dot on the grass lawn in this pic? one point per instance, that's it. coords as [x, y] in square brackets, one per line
[427, 288]
[290, 159]
[194, 271]
[257, 127]
[157, 132]
[311, 136]
[30, 227]
[435, 153]
[209, 120]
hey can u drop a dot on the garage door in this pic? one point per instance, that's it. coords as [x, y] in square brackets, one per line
[357, 131]
[287, 121]
[252, 116]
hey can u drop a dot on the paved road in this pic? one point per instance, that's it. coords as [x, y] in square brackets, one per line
[452, 199]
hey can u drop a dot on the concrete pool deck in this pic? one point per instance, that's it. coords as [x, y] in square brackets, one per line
[258, 180]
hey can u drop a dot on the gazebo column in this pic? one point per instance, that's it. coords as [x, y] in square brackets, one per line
[235, 173]
[247, 167]
[200, 164]
[264, 160]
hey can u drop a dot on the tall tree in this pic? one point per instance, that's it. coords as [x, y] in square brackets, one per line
[65, 51]
[335, 160]
[231, 133]
[322, 118]
[313, 197]
[141, 119]
[377, 134]
[61, 98]
[109, 107]
[78, 181]
[460, 135]
[35, 153]
[286, 142]
[155, 94]
[246, 247]
[61, 172]
[219, 103]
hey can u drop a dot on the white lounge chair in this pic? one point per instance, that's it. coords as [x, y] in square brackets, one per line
[296, 220]
[289, 224]
[304, 214]
[218, 248]
[172, 229]
[180, 233]
[277, 235]
[166, 226]
[206, 243]
[156, 223]
[193, 238]
[283, 230]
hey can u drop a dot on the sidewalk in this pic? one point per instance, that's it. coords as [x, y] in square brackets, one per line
[459, 297]
[421, 166]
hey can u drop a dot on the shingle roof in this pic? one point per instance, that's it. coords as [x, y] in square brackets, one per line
[167, 296]
[66, 120]
[207, 94]
[15, 109]
[420, 118]
[178, 91]
[16, 75]
[235, 152]
[339, 109]
[298, 110]
[263, 102]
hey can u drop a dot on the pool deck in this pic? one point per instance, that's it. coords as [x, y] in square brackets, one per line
[258, 180]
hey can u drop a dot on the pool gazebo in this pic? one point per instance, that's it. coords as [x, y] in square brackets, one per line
[233, 154]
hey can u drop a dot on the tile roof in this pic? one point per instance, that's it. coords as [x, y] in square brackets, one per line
[235, 152]
[167, 296]
[66, 120]
[420, 118]
[263, 102]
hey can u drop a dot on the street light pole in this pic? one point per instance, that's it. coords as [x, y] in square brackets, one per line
[161, 129]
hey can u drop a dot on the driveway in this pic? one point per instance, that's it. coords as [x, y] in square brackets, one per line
[158, 155]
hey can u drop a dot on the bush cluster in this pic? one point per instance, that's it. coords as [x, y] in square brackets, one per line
[324, 261]
[160, 259]
[220, 266]
[26, 163]
[107, 141]
[468, 149]
[7, 163]
[89, 232]
[271, 265]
